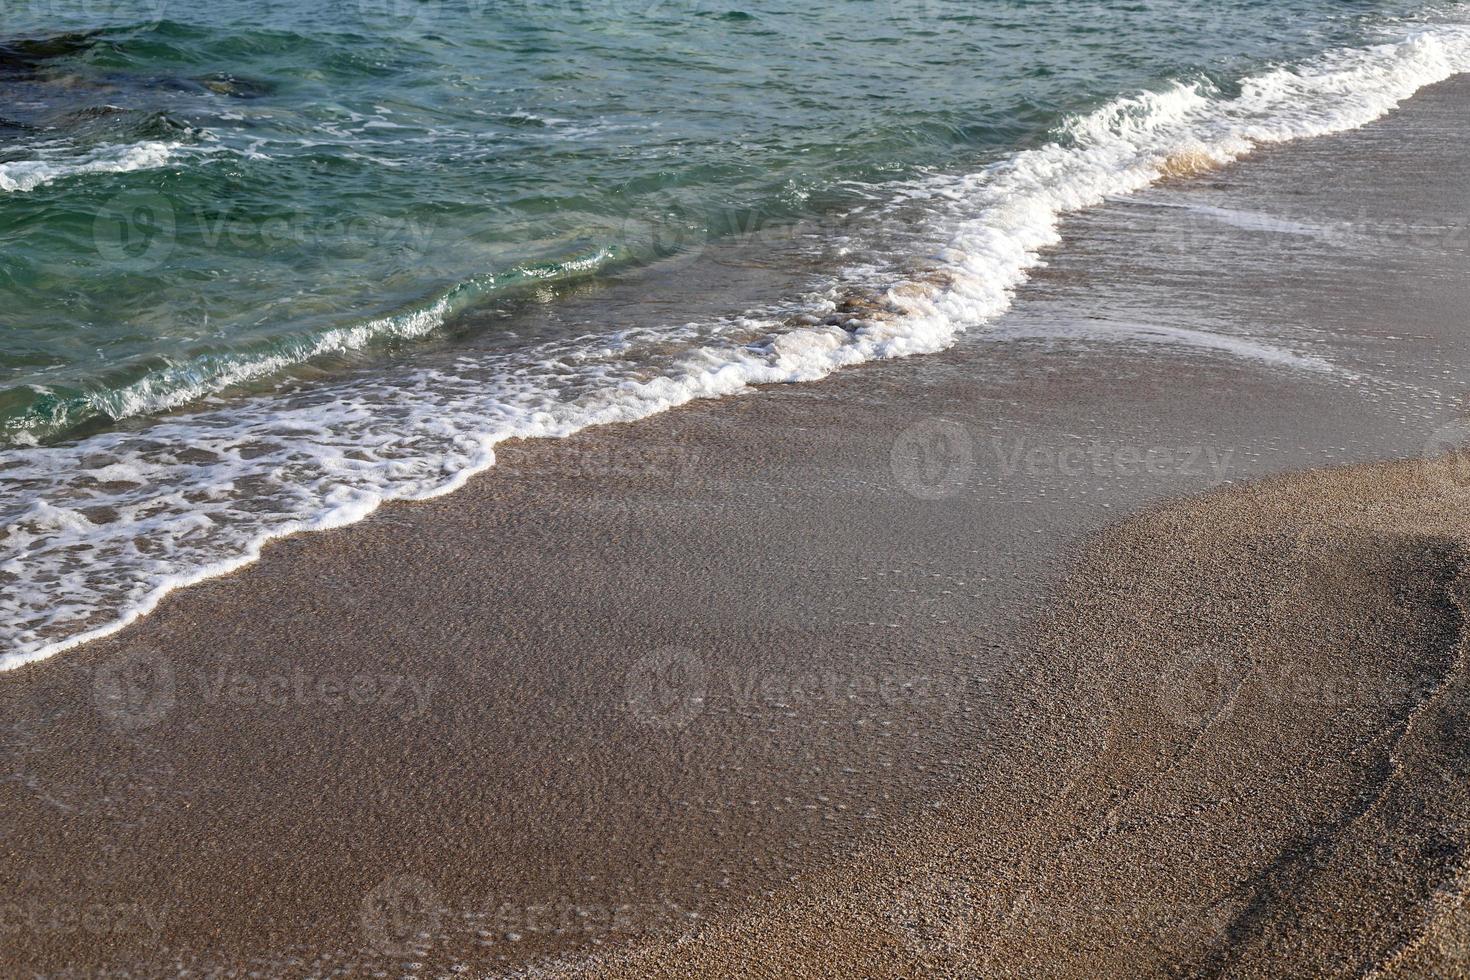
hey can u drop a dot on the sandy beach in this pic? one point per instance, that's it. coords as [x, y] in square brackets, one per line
[1100, 644]
[1239, 751]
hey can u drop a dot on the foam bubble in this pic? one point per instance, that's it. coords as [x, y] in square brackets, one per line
[19, 176]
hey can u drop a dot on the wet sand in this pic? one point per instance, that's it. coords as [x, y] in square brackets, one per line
[817, 675]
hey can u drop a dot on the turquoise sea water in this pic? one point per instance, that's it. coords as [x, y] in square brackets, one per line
[256, 258]
[305, 169]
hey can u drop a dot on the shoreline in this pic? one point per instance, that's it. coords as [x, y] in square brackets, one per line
[963, 272]
[662, 673]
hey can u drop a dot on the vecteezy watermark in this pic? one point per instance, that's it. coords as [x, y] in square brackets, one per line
[139, 230]
[933, 459]
[1447, 456]
[139, 15]
[513, 923]
[671, 687]
[666, 688]
[94, 918]
[141, 687]
[611, 16]
[666, 465]
[1197, 687]
[650, 18]
[1371, 686]
[1207, 683]
[1096, 458]
[938, 458]
[401, 916]
[405, 693]
[136, 689]
[405, 915]
[1278, 241]
[1094, 920]
[135, 230]
[941, 916]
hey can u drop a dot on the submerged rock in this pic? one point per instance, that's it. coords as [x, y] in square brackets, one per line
[236, 87]
[24, 57]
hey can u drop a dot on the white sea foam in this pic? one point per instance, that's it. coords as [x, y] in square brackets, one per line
[26, 175]
[100, 531]
[185, 382]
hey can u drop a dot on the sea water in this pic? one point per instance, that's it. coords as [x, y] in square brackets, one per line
[247, 250]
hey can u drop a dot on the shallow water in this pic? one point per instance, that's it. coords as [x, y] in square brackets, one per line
[262, 264]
